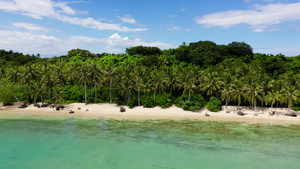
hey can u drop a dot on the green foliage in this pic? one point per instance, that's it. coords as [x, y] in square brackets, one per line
[132, 102]
[147, 100]
[297, 108]
[214, 104]
[196, 103]
[164, 100]
[143, 50]
[16, 58]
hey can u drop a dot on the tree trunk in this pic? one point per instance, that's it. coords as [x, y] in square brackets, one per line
[226, 104]
[139, 102]
[289, 108]
[16, 98]
[95, 93]
[85, 95]
[255, 108]
[272, 107]
[110, 84]
[42, 99]
[154, 95]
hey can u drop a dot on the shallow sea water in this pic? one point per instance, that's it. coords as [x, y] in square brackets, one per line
[168, 144]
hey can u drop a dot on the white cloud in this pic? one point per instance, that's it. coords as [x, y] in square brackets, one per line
[183, 10]
[48, 46]
[259, 18]
[38, 9]
[127, 19]
[29, 26]
[176, 28]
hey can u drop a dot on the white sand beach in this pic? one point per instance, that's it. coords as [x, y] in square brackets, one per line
[105, 110]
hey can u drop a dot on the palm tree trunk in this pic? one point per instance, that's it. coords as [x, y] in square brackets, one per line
[95, 93]
[289, 108]
[42, 98]
[255, 108]
[154, 95]
[85, 95]
[110, 84]
[226, 104]
[139, 102]
[16, 98]
[272, 107]
[189, 96]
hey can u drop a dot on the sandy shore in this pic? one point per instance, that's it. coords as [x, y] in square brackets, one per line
[113, 111]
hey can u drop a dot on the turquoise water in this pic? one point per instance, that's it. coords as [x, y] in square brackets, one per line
[112, 144]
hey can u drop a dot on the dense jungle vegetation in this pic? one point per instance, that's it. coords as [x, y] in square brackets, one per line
[190, 76]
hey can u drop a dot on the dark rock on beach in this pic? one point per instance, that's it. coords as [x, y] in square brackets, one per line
[240, 113]
[122, 109]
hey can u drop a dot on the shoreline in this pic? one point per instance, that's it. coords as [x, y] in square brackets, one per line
[112, 111]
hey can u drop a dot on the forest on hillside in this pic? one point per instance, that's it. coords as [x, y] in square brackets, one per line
[190, 76]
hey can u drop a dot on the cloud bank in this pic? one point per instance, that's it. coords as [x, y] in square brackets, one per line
[259, 18]
[38, 9]
[48, 46]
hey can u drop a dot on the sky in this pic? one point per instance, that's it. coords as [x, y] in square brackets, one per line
[53, 27]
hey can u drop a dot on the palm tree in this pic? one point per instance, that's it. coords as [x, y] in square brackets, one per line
[254, 91]
[159, 81]
[238, 92]
[139, 80]
[96, 74]
[81, 74]
[186, 80]
[126, 88]
[226, 83]
[110, 73]
[211, 82]
[58, 95]
[290, 95]
[272, 97]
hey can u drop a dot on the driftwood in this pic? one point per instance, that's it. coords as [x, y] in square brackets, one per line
[291, 114]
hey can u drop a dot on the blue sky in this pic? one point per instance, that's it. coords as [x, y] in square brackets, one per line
[53, 27]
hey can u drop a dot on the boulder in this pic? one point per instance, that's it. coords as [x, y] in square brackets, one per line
[44, 105]
[122, 109]
[71, 112]
[206, 114]
[272, 113]
[240, 113]
[22, 106]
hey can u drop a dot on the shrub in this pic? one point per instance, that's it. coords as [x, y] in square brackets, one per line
[297, 108]
[214, 104]
[195, 103]
[164, 100]
[132, 102]
[147, 100]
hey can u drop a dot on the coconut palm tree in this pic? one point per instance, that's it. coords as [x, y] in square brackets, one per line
[158, 81]
[254, 92]
[226, 88]
[138, 74]
[211, 82]
[110, 73]
[81, 73]
[290, 95]
[238, 92]
[96, 75]
[272, 97]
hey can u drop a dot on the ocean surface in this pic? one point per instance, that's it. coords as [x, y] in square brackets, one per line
[70, 143]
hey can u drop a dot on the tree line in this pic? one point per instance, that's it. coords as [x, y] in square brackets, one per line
[189, 76]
